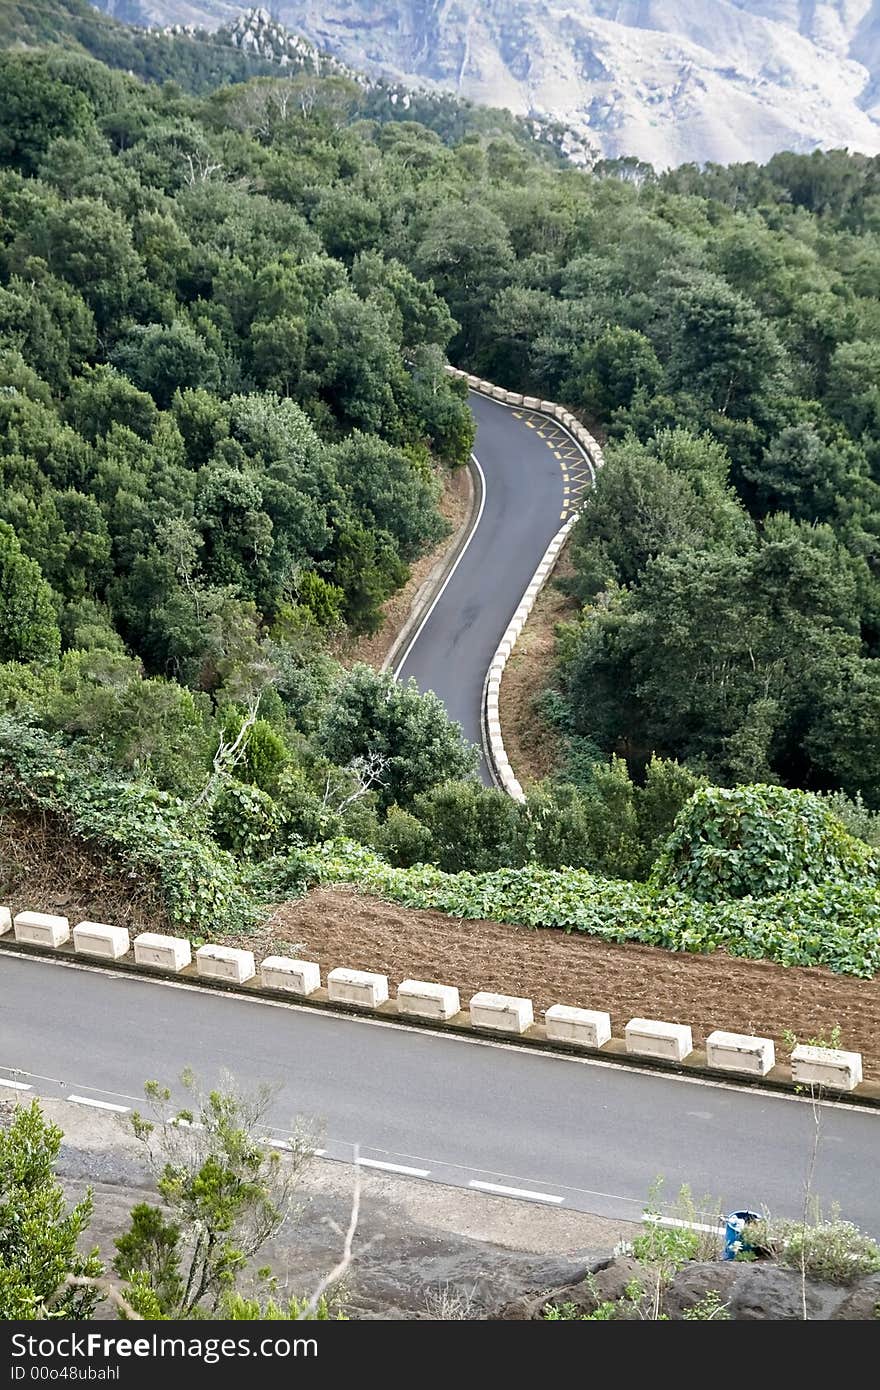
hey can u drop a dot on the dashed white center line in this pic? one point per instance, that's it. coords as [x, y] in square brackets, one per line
[16, 1085]
[393, 1168]
[516, 1192]
[99, 1104]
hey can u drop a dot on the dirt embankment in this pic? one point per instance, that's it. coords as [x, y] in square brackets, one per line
[715, 991]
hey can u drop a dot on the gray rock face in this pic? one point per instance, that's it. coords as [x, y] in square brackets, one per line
[669, 82]
[759, 1292]
[752, 1292]
[861, 1303]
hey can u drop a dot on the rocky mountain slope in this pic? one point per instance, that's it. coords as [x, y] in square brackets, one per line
[667, 80]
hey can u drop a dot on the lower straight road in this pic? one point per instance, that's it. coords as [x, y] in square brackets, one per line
[455, 1111]
[523, 460]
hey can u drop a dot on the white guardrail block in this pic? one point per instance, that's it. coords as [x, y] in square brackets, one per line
[225, 963]
[421, 999]
[5, 921]
[162, 952]
[740, 1052]
[586, 1027]
[826, 1066]
[357, 987]
[301, 977]
[649, 1037]
[99, 939]
[504, 1013]
[41, 928]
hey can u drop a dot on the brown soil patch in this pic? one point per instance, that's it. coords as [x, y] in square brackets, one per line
[43, 868]
[530, 743]
[339, 927]
[454, 506]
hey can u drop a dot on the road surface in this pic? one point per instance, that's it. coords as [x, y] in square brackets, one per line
[531, 473]
[566, 1132]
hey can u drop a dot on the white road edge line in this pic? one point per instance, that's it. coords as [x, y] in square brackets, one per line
[508, 1045]
[393, 1167]
[461, 554]
[682, 1225]
[286, 1145]
[16, 1085]
[523, 1192]
[99, 1104]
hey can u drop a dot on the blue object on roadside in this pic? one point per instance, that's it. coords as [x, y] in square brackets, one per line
[733, 1233]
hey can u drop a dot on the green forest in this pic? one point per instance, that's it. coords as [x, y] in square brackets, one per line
[225, 311]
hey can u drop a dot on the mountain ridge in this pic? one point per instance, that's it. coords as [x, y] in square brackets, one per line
[669, 81]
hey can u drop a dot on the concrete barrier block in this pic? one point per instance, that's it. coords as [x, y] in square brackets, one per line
[531, 403]
[225, 963]
[99, 939]
[503, 1013]
[649, 1037]
[826, 1066]
[474, 382]
[549, 407]
[357, 987]
[421, 999]
[162, 952]
[587, 1027]
[514, 398]
[5, 921]
[41, 928]
[301, 977]
[514, 790]
[740, 1052]
[498, 393]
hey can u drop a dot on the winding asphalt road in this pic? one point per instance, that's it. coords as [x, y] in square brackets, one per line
[563, 1131]
[530, 472]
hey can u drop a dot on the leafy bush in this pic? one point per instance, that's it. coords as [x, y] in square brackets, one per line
[403, 839]
[837, 925]
[148, 830]
[833, 1250]
[245, 820]
[756, 841]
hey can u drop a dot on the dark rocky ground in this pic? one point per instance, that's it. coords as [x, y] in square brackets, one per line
[423, 1250]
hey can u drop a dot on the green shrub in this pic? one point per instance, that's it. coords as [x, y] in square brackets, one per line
[756, 841]
[833, 1250]
[403, 839]
[153, 833]
[470, 826]
[245, 820]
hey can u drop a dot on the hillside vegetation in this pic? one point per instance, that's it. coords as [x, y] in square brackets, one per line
[223, 416]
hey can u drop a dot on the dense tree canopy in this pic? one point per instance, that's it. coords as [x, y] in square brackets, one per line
[224, 418]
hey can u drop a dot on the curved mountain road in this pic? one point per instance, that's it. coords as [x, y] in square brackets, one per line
[562, 1131]
[531, 473]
